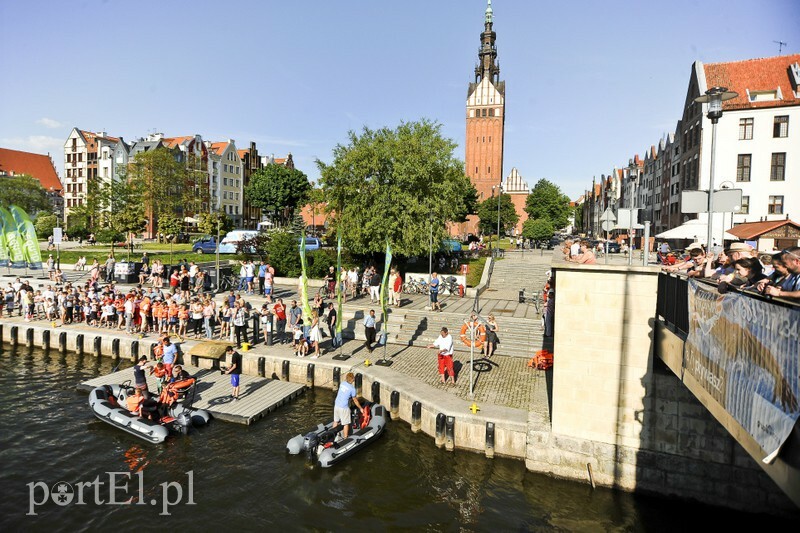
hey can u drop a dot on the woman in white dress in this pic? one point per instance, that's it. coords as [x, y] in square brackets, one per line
[315, 336]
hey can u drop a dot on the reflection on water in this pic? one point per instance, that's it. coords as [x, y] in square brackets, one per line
[243, 479]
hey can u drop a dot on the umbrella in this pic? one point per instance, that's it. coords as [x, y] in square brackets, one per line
[693, 229]
[191, 220]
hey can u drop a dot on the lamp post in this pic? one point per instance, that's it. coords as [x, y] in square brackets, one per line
[714, 98]
[633, 175]
[499, 194]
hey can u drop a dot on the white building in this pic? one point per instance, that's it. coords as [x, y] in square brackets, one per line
[227, 182]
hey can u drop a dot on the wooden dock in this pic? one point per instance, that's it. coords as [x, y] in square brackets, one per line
[257, 396]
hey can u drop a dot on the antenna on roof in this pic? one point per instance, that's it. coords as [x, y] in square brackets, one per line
[780, 44]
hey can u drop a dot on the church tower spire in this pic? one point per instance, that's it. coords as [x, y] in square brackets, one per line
[486, 116]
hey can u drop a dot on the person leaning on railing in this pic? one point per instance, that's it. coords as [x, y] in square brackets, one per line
[790, 287]
[694, 266]
[718, 266]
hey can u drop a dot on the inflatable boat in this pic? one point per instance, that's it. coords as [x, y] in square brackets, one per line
[322, 444]
[170, 412]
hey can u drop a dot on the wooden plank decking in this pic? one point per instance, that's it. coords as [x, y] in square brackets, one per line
[257, 396]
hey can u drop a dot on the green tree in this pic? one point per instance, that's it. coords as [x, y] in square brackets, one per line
[487, 212]
[283, 253]
[208, 223]
[44, 225]
[162, 182]
[125, 210]
[546, 201]
[278, 190]
[537, 230]
[88, 213]
[170, 225]
[395, 185]
[24, 191]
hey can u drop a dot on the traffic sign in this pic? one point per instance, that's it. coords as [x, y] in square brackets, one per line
[607, 225]
[608, 216]
[57, 235]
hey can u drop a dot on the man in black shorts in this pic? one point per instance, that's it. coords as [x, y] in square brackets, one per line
[234, 369]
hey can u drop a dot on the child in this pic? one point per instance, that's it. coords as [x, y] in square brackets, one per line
[183, 317]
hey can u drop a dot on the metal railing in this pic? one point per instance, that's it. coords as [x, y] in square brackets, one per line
[476, 305]
[672, 302]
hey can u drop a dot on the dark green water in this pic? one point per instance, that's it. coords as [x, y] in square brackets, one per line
[243, 480]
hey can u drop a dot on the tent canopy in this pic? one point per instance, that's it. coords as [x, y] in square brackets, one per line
[696, 230]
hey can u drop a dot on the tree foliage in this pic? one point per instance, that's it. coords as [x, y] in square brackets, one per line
[208, 223]
[395, 185]
[487, 212]
[538, 229]
[24, 191]
[165, 185]
[44, 225]
[125, 210]
[278, 190]
[170, 224]
[283, 253]
[546, 201]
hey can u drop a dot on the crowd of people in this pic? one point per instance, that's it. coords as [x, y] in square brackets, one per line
[578, 252]
[740, 267]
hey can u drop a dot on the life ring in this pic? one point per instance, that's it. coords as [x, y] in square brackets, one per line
[478, 341]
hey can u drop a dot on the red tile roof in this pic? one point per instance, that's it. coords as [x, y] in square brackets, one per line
[763, 74]
[242, 153]
[172, 142]
[752, 230]
[219, 148]
[37, 165]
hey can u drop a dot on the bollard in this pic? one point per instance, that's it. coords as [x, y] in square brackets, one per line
[285, 371]
[256, 328]
[115, 348]
[268, 328]
[46, 339]
[394, 403]
[29, 337]
[490, 439]
[14, 335]
[153, 350]
[98, 346]
[376, 392]
[450, 432]
[358, 383]
[1, 336]
[134, 350]
[337, 377]
[310, 376]
[62, 343]
[440, 423]
[416, 416]
[262, 367]
[195, 361]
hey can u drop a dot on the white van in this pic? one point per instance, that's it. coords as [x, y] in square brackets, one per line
[231, 240]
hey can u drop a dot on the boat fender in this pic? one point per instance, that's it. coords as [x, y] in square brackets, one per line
[416, 416]
[337, 377]
[489, 439]
[62, 342]
[376, 392]
[449, 431]
[358, 383]
[440, 423]
[394, 403]
[285, 371]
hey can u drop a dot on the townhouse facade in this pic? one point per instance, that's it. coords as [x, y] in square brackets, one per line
[38, 166]
[757, 151]
[227, 181]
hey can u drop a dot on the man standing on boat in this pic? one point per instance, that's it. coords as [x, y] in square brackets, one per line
[341, 408]
[139, 377]
[234, 369]
[169, 355]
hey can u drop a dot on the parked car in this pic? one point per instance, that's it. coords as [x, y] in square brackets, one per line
[613, 247]
[450, 245]
[312, 243]
[205, 245]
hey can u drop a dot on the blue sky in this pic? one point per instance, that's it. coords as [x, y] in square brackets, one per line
[588, 83]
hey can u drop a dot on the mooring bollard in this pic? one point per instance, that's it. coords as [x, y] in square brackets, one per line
[416, 416]
[285, 371]
[62, 343]
[441, 420]
[268, 328]
[310, 376]
[29, 337]
[450, 442]
[376, 392]
[134, 350]
[262, 367]
[337, 377]
[46, 339]
[115, 348]
[153, 350]
[98, 346]
[256, 328]
[490, 439]
[14, 335]
[358, 383]
[394, 403]
[1, 336]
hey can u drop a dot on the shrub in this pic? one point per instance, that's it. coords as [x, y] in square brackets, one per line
[108, 235]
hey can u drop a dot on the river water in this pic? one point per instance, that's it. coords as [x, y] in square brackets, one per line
[240, 478]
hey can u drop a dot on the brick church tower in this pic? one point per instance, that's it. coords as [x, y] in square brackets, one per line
[486, 116]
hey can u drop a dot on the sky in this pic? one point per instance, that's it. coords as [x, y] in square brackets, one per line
[588, 83]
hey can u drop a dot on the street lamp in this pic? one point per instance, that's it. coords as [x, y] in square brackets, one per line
[633, 175]
[499, 194]
[714, 98]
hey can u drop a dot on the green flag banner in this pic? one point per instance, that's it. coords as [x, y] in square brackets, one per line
[304, 281]
[13, 241]
[384, 287]
[3, 245]
[27, 235]
[339, 282]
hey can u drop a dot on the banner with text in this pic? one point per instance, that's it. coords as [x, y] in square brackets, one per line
[745, 353]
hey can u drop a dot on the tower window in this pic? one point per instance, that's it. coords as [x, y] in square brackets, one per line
[490, 138]
[484, 139]
[491, 112]
[483, 112]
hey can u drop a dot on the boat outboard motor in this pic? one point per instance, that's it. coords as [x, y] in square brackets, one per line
[310, 444]
[183, 422]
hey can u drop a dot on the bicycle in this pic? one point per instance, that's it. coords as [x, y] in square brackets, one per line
[227, 283]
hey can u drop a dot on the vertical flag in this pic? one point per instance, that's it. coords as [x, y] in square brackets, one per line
[13, 241]
[384, 287]
[304, 282]
[339, 283]
[3, 245]
[27, 236]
